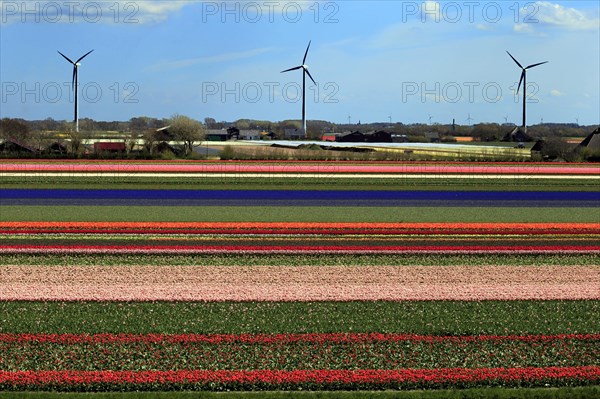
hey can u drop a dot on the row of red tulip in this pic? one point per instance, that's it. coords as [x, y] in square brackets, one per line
[298, 228]
[279, 379]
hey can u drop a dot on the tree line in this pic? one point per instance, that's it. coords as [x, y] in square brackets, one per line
[188, 131]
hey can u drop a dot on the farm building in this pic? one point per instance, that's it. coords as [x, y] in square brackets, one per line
[268, 136]
[592, 141]
[163, 134]
[352, 137]
[371, 137]
[163, 147]
[518, 134]
[108, 147]
[11, 146]
[231, 133]
[249, 135]
[379, 136]
[56, 148]
[217, 135]
[399, 138]
[329, 137]
[294, 134]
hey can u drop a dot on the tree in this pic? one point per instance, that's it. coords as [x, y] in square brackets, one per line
[487, 132]
[87, 124]
[210, 123]
[242, 124]
[187, 130]
[138, 124]
[150, 138]
[14, 129]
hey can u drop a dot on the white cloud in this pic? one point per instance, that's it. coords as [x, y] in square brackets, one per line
[523, 28]
[483, 27]
[563, 17]
[156, 11]
[89, 11]
[556, 93]
[213, 59]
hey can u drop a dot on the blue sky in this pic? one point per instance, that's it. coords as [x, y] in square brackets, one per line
[411, 60]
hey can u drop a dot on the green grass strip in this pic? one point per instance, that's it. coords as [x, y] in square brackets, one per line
[518, 183]
[474, 393]
[295, 214]
[425, 317]
[302, 260]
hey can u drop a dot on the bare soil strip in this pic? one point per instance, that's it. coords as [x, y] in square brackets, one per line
[298, 283]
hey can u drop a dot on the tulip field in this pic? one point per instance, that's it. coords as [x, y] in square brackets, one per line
[299, 276]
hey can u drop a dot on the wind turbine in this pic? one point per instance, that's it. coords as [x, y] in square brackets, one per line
[74, 83]
[469, 119]
[305, 72]
[524, 81]
[430, 117]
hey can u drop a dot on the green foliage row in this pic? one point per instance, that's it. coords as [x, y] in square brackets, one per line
[422, 317]
[299, 183]
[291, 356]
[303, 260]
[295, 214]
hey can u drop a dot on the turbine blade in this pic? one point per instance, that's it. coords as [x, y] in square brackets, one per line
[308, 73]
[292, 69]
[534, 65]
[73, 80]
[306, 53]
[521, 66]
[521, 81]
[66, 58]
[83, 56]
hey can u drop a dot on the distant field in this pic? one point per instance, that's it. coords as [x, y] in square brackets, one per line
[296, 214]
[507, 151]
[430, 275]
[518, 183]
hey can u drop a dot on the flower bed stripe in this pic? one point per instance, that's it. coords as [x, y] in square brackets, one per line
[325, 168]
[298, 283]
[301, 249]
[371, 198]
[296, 228]
[282, 338]
[326, 351]
[277, 379]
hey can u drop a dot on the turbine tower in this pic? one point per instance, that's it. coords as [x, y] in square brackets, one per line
[305, 72]
[74, 83]
[524, 81]
[469, 119]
